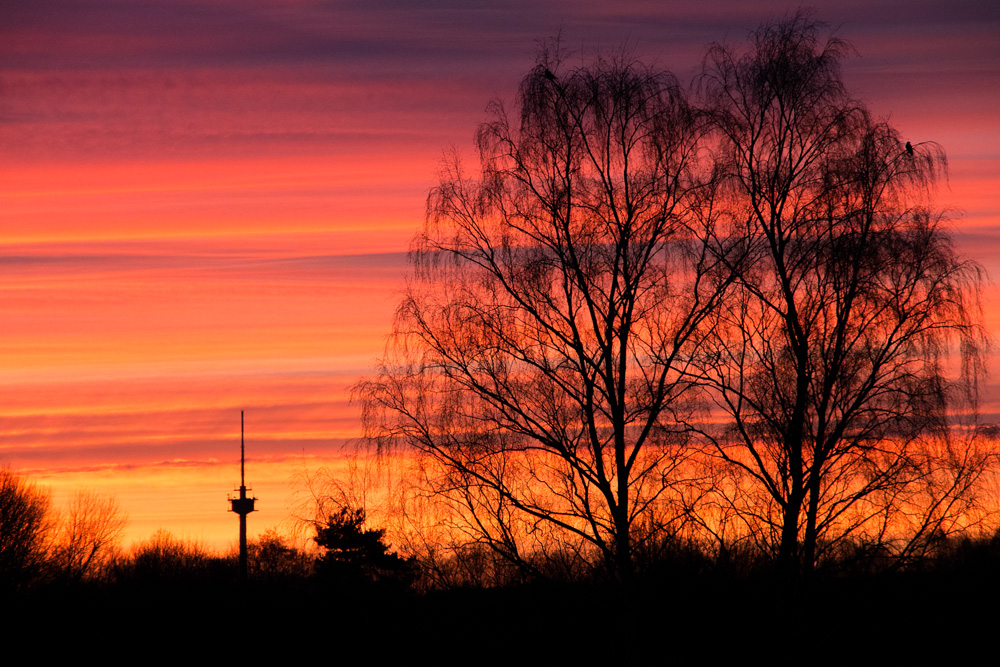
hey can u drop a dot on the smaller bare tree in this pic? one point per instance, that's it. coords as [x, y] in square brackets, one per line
[274, 559]
[88, 535]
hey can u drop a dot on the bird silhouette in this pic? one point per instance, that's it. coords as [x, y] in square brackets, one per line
[909, 149]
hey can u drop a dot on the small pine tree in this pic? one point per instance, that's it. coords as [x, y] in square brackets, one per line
[357, 556]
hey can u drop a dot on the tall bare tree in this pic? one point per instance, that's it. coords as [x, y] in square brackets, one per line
[829, 355]
[539, 362]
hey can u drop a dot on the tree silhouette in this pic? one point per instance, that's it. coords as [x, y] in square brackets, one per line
[828, 354]
[356, 555]
[24, 525]
[88, 535]
[539, 361]
[165, 559]
[274, 561]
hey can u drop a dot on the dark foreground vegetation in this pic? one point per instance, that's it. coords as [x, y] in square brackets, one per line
[347, 585]
[693, 604]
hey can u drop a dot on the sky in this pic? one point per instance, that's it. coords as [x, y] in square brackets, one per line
[205, 207]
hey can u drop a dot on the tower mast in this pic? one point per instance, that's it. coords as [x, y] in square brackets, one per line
[242, 505]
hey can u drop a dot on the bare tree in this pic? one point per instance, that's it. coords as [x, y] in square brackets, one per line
[25, 523]
[538, 367]
[88, 535]
[829, 354]
[164, 560]
[274, 559]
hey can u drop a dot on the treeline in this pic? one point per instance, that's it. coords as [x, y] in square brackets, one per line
[44, 549]
[77, 558]
[40, 544]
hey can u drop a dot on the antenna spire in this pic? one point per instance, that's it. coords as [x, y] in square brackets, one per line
[242, 504]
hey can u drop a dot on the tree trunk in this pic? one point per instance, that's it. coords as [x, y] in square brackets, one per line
[624, 565]
[809, 540]
[788, 550]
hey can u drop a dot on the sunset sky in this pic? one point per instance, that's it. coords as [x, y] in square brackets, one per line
[205, 206]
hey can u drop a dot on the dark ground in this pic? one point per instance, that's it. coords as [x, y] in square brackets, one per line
[890, 618]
